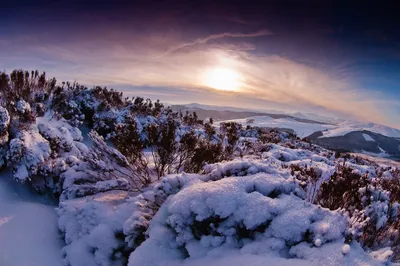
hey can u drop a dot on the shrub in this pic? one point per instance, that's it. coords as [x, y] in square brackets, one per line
[341, 191]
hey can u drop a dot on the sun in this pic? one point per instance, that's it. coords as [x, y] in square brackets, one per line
[223, 79]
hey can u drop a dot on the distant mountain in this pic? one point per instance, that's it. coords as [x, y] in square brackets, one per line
[360, 141]
[221, 114]
[302, 127]
[350, 126]
[329, 132]
[319, 118]
[215, 114]
[230, 108]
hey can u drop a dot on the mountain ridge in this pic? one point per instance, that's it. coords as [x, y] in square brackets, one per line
[329, 132]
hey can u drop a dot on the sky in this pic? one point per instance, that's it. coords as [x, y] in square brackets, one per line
[325, 57]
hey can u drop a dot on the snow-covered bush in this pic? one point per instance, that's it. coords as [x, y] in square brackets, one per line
[231, 131]
[4, 125]
[371, 202]
[4, 121]
[136, 226]
[93, 228]
[258, 214]
[59, 133]
[23, 107]
[27, 153]
[108, 163]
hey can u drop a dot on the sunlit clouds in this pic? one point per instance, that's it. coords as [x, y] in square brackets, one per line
[228, 65]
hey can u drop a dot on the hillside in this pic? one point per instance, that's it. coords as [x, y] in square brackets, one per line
[332, 133]
[360, 141]
[227, 115]
[138, 183]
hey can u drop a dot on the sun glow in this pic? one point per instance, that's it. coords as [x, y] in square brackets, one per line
[223, 79]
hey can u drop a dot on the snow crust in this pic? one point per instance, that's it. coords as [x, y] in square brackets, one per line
[28, 227]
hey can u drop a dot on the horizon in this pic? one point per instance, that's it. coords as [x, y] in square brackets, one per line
[333, 59]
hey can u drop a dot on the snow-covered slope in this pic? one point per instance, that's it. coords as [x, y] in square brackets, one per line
[230, 108]
[227, 196]
[300, 128]
[319, 118]
[349, 126]
[28, 227]
[333, 128]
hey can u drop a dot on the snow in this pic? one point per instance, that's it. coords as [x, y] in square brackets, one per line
[318, 118]
[32, 148]
[346, 249]
[301, 129]
[334, 128]
[229, 108]
[329, 255]
[91, 225]
[27, 152]
[246, 220]
[23, 107]
[4, 120]
[349, 126]
[58, 128]
[28, 227]
[247, 211]
[368, 137]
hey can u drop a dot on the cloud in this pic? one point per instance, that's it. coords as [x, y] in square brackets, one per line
[263, 32]
[267, 82]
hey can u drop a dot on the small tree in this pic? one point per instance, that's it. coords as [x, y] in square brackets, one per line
[231, 133]
[127, 141]
[108, 163]
[162, 137]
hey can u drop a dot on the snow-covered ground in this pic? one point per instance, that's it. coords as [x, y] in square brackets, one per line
[368, 137]
[318, 118]
[338, 128]
[28, 227]
[90, 225]
[257, 216]
[348, 126]
[301, 129]
[260, 208]
[233, 109]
